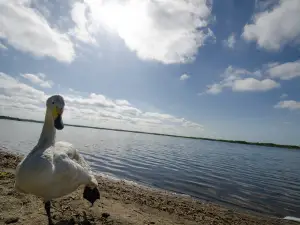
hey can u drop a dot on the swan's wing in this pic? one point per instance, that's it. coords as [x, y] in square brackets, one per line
[71, 165]
[72, 153]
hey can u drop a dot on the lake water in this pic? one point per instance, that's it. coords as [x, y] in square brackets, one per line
[256, 178]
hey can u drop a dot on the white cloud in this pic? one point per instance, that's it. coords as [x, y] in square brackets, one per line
[285, 71]
[240, 80]
[122, 102]
[2, 46]
[27, 30]
[283, 96]
[184, 76]
[263, 5]
[272, 29]
[251, 84]
[21, 100]
[18, 92]
[230, 42]
[80, 31]
[38, 79]
[214, 89]
[167, 31]
[288, 104]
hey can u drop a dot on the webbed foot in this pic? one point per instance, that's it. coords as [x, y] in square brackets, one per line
[91, 194]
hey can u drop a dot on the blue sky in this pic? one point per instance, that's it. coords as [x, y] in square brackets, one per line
[225, 69]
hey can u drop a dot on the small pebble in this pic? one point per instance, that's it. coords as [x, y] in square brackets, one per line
[12, 220]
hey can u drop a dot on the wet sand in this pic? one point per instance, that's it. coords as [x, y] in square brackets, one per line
[120, 203]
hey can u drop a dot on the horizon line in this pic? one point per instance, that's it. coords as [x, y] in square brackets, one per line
[266, 144]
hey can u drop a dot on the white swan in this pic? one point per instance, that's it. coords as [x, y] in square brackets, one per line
[52, 170]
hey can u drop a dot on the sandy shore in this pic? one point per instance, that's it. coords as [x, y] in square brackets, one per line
[120, 203]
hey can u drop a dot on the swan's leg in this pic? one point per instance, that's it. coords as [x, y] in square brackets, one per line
[47, 208]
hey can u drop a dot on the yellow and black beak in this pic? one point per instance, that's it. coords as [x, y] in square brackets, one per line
[58, 123]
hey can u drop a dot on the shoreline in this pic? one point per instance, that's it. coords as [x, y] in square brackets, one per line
[270, 145]
[122, 202]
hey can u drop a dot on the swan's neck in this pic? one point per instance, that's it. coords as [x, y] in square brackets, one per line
[47, 137]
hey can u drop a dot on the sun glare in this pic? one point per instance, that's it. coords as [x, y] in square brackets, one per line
[111, 15]
[121, 17]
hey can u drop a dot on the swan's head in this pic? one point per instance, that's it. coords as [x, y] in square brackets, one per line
[56, 105]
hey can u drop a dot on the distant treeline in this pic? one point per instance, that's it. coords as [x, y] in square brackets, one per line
[169, 135]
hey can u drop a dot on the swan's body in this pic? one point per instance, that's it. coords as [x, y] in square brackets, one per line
[52, 170]
[53, 173]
